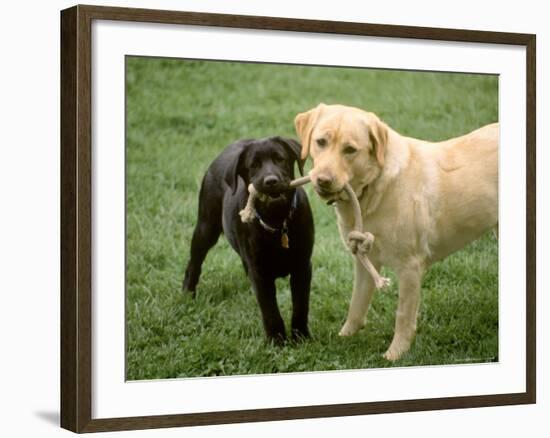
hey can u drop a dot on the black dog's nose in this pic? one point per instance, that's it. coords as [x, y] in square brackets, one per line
[324, 181]
[270, 180]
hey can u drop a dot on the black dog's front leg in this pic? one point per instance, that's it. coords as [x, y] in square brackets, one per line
[266, 294]
[300, 283]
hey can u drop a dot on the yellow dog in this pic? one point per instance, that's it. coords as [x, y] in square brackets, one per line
[421, 200]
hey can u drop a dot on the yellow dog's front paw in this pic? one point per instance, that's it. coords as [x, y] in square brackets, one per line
[396, 350]
[392, 354]
[350, 328]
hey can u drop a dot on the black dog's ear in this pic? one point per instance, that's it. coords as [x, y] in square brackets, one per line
[294, 148]
[235, 167]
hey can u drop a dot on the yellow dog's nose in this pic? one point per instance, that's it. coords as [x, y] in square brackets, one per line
[324, 180]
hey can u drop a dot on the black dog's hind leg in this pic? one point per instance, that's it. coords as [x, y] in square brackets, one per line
[245, 267]
[300, 283]
[266, 294]
[205, 236]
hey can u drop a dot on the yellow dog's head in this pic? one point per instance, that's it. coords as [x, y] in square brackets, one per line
[346, 144]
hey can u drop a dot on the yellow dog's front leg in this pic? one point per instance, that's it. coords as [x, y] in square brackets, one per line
[363, 291]
[410, 279]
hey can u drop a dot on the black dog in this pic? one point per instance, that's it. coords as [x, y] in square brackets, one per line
[278, 243]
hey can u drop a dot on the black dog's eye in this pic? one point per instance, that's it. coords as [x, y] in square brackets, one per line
[348, 150]
[321, 142]
[278, 159]
[255, 164]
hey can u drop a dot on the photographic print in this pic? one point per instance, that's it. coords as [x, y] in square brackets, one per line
[208, 294]
[343, 224]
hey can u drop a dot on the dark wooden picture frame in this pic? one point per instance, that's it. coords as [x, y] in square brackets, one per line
[76, 218]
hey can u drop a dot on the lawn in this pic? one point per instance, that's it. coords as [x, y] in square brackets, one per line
[180, 115]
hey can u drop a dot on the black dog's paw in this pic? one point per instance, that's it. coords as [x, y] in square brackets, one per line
[277, 339]
[300, 334]
[186, 286]
[188, 292]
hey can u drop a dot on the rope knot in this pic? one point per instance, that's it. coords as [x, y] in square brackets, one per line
[359, 242]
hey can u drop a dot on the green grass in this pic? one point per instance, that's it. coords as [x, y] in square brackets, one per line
[180, 115]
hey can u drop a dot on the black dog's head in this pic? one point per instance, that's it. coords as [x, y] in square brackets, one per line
[266, 163]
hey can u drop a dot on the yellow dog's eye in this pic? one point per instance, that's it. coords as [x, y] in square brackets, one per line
[348, 150]
[321, 142]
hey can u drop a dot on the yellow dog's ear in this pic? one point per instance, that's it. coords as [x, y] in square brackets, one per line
[304, 124]
[378, 135]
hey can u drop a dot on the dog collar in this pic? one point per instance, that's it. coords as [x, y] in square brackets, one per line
[284, 229]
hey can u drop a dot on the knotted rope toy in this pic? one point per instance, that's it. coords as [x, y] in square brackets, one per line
[359, 242]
